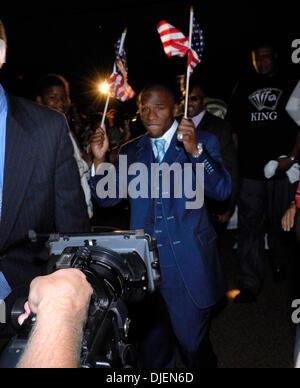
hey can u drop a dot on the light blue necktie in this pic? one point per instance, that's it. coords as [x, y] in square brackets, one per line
[160, 146]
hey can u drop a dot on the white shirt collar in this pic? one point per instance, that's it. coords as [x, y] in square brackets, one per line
[197, 119]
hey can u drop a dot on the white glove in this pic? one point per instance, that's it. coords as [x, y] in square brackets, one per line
[270, 169]
[293, 173]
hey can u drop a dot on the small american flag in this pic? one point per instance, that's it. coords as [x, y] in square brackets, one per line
[173, 40]
[198, 39]
[197, 46]
[121, 55]
[176, 44]
[119, 87]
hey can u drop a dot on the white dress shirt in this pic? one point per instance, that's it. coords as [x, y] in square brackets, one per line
[168, 136]
[197, 119]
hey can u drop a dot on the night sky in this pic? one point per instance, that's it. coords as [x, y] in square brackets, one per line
[77, 41]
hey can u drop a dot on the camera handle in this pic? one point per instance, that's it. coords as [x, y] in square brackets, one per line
[112, 331]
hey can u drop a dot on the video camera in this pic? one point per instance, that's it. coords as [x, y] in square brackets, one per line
[122, 267]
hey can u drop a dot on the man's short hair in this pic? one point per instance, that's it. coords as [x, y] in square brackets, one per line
[158, 87]
[49, 80]
[199, 82]
[264, 43]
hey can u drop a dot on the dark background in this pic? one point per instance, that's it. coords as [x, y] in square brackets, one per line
[77, 42]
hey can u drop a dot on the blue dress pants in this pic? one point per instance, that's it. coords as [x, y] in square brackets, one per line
[171, 317]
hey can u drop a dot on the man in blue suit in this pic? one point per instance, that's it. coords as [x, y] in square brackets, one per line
[192, 280]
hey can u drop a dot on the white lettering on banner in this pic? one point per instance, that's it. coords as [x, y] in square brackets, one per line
[264, 116]
[2, 312]
[296, 53]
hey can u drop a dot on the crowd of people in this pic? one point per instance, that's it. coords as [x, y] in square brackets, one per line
[51, 164]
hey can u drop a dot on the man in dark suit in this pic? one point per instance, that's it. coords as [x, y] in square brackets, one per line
[39, 187]
[220, 212]
[192, 278]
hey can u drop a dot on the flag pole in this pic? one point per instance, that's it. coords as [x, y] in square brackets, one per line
[108, 95]
[105, 110]
[187, 91]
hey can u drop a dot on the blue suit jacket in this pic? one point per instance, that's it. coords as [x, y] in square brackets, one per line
[192, 238]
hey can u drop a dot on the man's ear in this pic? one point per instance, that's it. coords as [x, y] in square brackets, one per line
[39, 100]
[176, 110]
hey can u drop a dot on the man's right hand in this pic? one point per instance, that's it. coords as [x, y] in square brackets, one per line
[99, 145]
[288, 219]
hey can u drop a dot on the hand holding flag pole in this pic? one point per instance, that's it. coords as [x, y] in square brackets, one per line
[176, 44]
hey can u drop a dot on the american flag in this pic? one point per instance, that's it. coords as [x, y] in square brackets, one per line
[176, 44]
[119, 87]
[197, 45]
[173, 40]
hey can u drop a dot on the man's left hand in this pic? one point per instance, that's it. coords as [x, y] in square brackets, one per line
[188, 131]
[284, 164]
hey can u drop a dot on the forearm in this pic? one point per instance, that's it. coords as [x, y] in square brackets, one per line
[55, 341]
[285, 163]
[217, 180]
[97, 162]
[296, 150]
[104, 183]
[61, 312]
